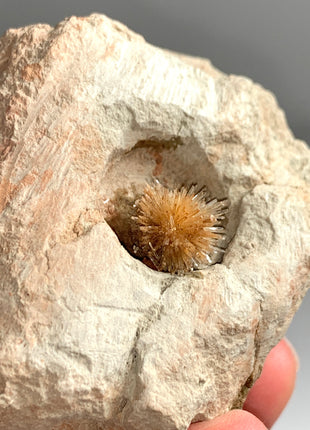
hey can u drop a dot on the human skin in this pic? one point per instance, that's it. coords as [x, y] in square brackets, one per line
[266, 399]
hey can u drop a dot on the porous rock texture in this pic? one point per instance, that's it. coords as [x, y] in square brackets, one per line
[91, 337]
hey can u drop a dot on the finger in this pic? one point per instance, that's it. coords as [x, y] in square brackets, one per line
[233, 420]
[271, 392]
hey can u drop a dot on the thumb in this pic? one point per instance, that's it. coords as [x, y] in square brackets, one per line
[233, 420]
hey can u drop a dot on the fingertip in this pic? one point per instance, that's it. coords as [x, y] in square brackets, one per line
[268, 396]
[233, 420]
[272, 390]
[291, 350]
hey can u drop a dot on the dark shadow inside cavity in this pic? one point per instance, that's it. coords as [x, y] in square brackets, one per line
[2, 384]
[174, 162]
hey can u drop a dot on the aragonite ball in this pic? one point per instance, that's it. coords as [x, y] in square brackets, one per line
[179, 230]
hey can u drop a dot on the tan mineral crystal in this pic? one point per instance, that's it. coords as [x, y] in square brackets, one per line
[91, 337]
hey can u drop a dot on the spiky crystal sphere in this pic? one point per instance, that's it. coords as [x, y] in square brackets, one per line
[178, 230]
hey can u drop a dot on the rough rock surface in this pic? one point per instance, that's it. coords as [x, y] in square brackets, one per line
[91, 338]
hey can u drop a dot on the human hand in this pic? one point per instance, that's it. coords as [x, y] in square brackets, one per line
[266, 399]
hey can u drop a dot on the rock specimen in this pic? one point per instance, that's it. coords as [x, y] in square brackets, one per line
[91, 337]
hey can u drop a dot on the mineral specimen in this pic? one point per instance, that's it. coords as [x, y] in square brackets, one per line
[91, 337]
